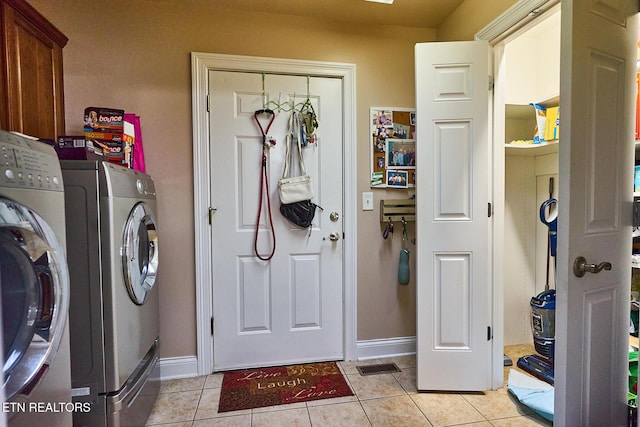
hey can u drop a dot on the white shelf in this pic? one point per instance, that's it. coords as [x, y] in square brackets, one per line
[548, 147]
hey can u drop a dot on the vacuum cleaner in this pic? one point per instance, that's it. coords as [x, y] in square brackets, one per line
[543, 305]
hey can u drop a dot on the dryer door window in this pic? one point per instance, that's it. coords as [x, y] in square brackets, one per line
[140, 254]
[34, 282]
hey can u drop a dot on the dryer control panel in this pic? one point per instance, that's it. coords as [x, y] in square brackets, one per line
[28, 163]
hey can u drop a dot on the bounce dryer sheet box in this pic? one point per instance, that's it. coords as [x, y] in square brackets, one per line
[108, 120]
[104, 127]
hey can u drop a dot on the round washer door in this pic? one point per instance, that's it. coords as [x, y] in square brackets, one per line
[140, 253]
[35, 296]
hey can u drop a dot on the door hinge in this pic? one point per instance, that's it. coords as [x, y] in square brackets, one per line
[207, 103]
[491, 83]
[489, 210]
[489, 336]
[211, 212]
[212, 326]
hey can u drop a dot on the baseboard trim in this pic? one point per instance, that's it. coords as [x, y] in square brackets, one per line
[388, 347]
[172, 368]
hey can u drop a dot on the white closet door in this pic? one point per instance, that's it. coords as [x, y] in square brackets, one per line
[598, 66]
[453, 232]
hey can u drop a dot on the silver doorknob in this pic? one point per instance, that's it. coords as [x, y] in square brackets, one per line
[580, 267]
[334, 237]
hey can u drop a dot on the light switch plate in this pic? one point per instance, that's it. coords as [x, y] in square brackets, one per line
[367, 201]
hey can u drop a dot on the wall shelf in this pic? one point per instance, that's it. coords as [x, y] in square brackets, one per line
[548, 147]
[397, 209]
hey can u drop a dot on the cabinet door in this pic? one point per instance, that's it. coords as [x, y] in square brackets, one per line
[32, 57]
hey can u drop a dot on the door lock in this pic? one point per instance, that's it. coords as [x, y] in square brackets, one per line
[580, 267]
[334, 237]
[334, 216]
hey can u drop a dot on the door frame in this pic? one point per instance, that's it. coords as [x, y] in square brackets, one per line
[201, 64]
[502, 29]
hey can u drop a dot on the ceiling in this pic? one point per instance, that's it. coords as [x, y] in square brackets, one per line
[409, 13]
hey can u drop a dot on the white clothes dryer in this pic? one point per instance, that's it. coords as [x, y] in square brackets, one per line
[35, 285]
[114, 309]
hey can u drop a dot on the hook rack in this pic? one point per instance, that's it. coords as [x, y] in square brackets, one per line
[285, 106]
[397, 210]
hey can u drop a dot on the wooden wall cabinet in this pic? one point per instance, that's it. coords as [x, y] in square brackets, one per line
[31, 84]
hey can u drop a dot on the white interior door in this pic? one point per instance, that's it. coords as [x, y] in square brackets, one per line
[598, 65]
[454, 293]
[288, 309]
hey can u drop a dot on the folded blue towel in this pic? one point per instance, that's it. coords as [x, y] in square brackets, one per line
[532, 393]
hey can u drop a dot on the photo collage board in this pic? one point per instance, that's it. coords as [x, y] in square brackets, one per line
[393, 147]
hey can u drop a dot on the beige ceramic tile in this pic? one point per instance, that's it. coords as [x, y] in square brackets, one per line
[174, 407]
[208, 406]
[496, 404]
[214, 381]
[333, 401]
[185, 384]
[183, 424]
[351, 366]
[348, 414]
[291, 417]
[524, 421]
[402, 362]
[444, 409]
[480, 424]
[233, 421]
[286, 406]
[375, 386]
[407, 379]
[398, 411]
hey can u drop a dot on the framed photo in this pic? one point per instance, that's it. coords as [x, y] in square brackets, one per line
[401, 153]
[393, 145]
[397, 178]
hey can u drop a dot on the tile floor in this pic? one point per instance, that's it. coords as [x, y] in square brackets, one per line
[380, 400]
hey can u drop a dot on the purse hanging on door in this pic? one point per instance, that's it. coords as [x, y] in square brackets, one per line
[294, 188]
[296, 192]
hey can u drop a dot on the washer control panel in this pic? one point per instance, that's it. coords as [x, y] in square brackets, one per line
[28, 163]
[129, 183]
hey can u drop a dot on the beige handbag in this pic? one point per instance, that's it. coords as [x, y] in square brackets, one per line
[294, 188]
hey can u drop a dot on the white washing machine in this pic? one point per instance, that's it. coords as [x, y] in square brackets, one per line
[35, 285]
[114, 310]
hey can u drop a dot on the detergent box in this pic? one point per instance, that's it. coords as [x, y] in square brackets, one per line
[552, 126]
[76, 147]
[636, 180]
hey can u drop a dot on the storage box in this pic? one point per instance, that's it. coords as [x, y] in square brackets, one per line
[128, 142]
[552, 126]
[103, 128]
[100, 119]
[75, 147]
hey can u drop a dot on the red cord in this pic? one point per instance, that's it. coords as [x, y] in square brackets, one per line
[264, 180]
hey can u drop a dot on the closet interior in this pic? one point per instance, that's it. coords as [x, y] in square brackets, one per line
[532, 76]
